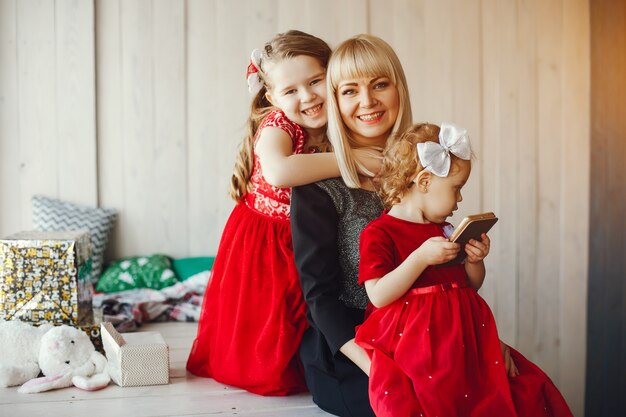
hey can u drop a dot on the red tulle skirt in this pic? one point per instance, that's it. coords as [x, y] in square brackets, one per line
[253, 313]
[436, 352]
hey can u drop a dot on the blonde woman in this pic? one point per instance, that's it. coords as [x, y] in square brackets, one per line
[367, 102]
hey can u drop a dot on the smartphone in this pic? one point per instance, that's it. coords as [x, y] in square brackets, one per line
[470, 228]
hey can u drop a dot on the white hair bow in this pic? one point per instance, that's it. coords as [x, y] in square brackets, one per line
[252, 75]
[435, 157]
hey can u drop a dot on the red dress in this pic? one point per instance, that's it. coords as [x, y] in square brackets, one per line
[253, 313]
[435, 351]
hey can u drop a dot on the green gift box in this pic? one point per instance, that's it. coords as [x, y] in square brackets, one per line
[44, 277]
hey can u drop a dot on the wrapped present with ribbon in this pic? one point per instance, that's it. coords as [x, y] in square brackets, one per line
[45, 277]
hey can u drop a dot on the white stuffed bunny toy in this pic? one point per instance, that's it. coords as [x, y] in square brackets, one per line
[64, 354]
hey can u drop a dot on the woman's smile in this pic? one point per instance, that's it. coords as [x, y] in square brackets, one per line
[371, 118]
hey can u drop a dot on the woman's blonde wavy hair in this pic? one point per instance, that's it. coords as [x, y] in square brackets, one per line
[362, 56]
[283, 46]
[401, 162]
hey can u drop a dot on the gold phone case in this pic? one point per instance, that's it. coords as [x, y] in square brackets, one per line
[470, 228]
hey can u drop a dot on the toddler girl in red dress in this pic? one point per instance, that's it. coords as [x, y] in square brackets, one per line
[432, 339]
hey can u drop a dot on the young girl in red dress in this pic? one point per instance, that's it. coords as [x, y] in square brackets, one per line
[432, 339]
[253, 313]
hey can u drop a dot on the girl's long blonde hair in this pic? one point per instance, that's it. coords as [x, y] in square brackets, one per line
[283, 46]
[360, 57]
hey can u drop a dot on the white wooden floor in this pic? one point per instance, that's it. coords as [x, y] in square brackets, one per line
[186, 395]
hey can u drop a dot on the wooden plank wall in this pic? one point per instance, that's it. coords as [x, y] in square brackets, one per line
[47, 106]
[140, 105]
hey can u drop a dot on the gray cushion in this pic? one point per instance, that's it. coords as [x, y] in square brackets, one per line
[50, 214]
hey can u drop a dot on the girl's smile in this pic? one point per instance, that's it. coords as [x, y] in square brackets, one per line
[313, 111]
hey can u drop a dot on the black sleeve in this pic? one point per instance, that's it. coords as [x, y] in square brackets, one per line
[314, 225]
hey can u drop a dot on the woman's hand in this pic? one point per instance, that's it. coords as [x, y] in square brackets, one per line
[477, 251]
[438, 250]
[509, 365]
[368, 161]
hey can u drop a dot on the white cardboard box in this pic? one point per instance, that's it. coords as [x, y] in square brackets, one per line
[136, 359]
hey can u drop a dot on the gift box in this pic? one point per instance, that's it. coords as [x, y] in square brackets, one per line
[93, 330]
[94, 333]
[44, 277]
[136, 359]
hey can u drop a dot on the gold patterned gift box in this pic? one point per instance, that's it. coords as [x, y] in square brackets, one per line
[44, 277]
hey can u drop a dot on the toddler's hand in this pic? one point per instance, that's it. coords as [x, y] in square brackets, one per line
[509, 364]
[370, 160]
[438, 250]
[477, 251]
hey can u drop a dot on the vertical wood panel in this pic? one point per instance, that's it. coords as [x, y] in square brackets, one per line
[138, 101]
[153, 153]
[231, 93]
[506, 143]
[575, 191]
[499, 156]
[75, 87]
[10, 163]
[290, 17]
[205, 184]
[109, 113]
[332, 21]
[348, 18]
[490, 117]
[437, 34]
[263, 25]
[550, 141]
[529, 178]
[37, 105]
[168, 202]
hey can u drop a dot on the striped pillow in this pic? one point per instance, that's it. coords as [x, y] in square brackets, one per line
[50, 214]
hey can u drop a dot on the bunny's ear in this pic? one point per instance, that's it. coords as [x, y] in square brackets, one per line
[46, 383]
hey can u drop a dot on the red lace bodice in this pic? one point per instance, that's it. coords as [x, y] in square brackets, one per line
[263, 197]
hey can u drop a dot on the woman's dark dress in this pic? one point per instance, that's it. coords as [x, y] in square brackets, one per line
[326, 220]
